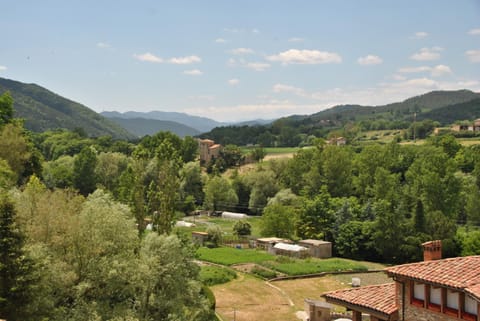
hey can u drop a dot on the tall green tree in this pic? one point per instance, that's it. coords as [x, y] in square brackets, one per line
[316, 217]
[6, 108]
[84, 177]
[219, 194]
[16, 268]
[279, 221]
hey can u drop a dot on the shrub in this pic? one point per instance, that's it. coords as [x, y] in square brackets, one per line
[263, 273]
[212, 275]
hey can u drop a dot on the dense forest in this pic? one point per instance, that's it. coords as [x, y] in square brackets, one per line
[74, 244]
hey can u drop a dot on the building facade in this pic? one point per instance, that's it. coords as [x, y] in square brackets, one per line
[432, 290]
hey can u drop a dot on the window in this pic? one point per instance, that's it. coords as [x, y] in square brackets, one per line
[435, 298]
[418, 294]
[470, 305]
[452, 299]
[451, 306]
[419, 291]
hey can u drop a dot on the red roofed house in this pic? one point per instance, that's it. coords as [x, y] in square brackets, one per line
[433, 290]
[208, 150]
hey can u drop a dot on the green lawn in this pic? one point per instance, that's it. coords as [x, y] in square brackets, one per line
[291, 266]
[212, 275]
[230, 255]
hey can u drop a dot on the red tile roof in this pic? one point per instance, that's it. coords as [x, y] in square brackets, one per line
[379, 298]
[458, 272]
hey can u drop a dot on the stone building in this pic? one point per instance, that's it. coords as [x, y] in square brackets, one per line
[432, 290]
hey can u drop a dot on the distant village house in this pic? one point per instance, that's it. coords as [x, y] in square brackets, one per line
[208, 150]
[472, 127]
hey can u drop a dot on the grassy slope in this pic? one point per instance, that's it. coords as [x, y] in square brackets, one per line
[44, 110]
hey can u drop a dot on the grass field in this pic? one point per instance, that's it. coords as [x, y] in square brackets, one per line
[311, 266]
[272, 150]
[230, 255]
[249, 298]
[212, 275]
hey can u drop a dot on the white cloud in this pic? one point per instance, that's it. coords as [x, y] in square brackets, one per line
[308, 57]
[473, 55]
[420, 35]
[241, 51]
[440, 70]
[398, 77]
[296, 39]
[257, 66]
[220, 40]
[255, 30]
[203, 97]
[233, 81]
[148, 57]
[280, 88]
[474, 32]
[427, 54]
[104, 45]
[2, 68]
[436, 71]
[193, 72]
[184, 60]
[370, 60]
[407, 70]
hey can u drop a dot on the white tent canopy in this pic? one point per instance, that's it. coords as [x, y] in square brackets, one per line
[233, 215]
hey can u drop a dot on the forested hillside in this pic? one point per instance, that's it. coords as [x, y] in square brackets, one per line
[349, 120]
[201, 124]
[44, 110]
[141, 127]
[457, 112]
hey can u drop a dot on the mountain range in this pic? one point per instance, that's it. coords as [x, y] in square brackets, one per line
[44, 110]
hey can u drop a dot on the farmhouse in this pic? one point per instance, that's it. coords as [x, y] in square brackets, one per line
[318, 248]
[472, 127]
[208, 150]
[432, 290]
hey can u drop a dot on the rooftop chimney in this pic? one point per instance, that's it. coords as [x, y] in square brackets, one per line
[432, 250]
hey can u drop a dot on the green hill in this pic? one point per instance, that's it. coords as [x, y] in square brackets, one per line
[44, 110]
[399, 111]
[469, 110]
[141, 126]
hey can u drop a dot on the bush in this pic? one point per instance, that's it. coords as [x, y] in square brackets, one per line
[263, 273]
[210, 296]
[212, 275]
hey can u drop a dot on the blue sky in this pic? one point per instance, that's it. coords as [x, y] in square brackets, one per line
[241, 60]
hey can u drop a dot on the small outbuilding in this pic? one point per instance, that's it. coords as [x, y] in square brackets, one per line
[317, 310]
[318, 248]
[292, 250]
[267, 243]
[199, 237]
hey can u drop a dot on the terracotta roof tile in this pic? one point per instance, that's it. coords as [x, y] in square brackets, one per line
[380, 298]
[458, 272]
